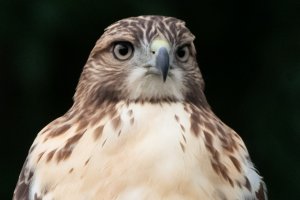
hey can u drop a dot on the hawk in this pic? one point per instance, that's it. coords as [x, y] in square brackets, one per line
[140, 127]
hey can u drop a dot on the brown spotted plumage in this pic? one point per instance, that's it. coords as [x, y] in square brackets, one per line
[140, 127]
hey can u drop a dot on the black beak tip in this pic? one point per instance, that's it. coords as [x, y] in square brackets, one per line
[163, 63]
[165, 76]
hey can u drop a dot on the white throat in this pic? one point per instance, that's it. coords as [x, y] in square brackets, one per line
[151, 86]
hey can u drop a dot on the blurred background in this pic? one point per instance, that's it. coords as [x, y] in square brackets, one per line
[249, 54]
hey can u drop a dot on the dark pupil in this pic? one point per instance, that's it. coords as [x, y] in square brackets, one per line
[123, 50]
[181, 53]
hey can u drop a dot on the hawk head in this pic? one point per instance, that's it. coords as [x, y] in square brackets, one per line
[145, 58]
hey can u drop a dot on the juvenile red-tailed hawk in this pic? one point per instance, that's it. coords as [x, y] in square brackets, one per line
[140, 127]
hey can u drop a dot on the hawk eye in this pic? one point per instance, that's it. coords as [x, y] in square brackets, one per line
[122, 50]
[183, 53]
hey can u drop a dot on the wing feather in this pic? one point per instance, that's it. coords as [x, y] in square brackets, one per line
[23, 186]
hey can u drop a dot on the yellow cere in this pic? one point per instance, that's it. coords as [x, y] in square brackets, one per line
[158, 43]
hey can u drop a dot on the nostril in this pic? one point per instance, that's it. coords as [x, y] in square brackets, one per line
[153, 52]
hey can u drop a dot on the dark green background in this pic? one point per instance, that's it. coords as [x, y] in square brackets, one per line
[248, 53]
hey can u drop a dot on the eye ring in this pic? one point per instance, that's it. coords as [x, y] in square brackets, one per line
[183, 53]
[123, 50]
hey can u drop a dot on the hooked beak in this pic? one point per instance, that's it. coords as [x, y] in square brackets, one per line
[162, 62]
[160, 47]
